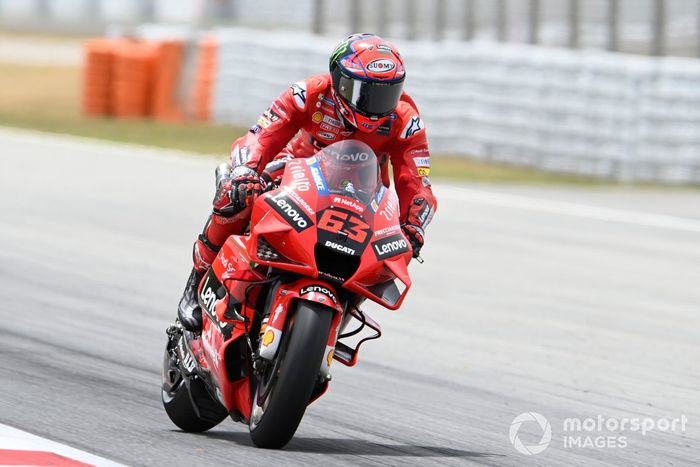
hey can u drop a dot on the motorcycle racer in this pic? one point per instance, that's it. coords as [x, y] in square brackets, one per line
[360, 98]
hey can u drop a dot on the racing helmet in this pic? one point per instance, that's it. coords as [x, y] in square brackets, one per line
[367, 73]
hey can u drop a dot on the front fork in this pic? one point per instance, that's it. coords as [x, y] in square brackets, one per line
[285, 297]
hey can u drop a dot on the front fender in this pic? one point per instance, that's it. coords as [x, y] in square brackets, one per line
[286, 295]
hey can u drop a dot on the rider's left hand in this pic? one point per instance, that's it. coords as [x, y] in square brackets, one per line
[415, 237]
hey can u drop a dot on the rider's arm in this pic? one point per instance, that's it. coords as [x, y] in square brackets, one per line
[410, 161]
[273, 130]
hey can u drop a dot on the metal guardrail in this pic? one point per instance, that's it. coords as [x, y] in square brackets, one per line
[528, 21]
[502, 15]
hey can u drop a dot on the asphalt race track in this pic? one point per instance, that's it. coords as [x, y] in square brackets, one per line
[571, 303]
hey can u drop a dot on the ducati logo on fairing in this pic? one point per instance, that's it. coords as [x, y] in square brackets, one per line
[390, 246]
[341, 248]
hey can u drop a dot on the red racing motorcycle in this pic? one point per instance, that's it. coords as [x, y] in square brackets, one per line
[282, 302]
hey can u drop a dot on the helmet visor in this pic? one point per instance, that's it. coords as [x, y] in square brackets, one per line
[370, 98]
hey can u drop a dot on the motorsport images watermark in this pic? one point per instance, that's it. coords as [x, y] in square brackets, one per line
[589, 433]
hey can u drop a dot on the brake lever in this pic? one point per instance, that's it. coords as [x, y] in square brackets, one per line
[269, 187]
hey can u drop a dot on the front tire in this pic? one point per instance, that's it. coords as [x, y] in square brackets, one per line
[274, 421]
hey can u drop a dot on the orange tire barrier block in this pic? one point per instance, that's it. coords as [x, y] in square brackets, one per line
[202, 94]
[167, 73]
[135, 79]
[132, 80]
[97, 77]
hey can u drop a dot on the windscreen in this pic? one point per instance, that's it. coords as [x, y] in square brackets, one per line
[350, 168]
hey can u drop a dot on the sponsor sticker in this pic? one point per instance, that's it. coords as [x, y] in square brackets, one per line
[384, 129]
[299, 93]
[391, 207]
[327, 127]
[424, 171]
[341, 248]
[263, 122]
[390, 246]
[325, 135]
[347, 203]
[422, 161]
[387, 231]
[299, 175]
[239, 155]
[326, 100]
[332, 277]
[290, 211]
[301, 201]
[271, 115]
[374, 205]
[368, 126]
[318, 289]
[269, 337]
[332, 121]
[319, 180]
[211, 293]
[425, 215]
[268, 118]
[317, 117]
[382, 65]
[414, 126]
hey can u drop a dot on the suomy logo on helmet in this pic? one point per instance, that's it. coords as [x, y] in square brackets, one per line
[381, 65]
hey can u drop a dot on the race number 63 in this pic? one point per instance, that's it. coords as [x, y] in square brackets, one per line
[339, 221]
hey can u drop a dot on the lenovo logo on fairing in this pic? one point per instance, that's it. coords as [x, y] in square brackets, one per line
[290, 211]
[208, 296]
[320, 289]
[390, 246]
[354, 157]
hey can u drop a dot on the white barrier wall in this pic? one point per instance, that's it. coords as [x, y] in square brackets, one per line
[585, 112]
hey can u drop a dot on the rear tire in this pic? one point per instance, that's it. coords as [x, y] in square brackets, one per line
[274, 422]
[186, 400]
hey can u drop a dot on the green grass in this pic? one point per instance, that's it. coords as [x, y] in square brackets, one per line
[192, 137]
[48, 99]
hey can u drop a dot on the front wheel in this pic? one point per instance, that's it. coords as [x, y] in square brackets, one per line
[284, 390]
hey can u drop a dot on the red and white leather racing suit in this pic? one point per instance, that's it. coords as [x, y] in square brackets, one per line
[306, 108]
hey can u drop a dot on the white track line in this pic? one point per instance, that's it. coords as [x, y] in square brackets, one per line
[13, 439]
[569, 209]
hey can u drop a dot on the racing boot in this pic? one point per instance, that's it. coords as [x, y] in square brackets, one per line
[188, 311]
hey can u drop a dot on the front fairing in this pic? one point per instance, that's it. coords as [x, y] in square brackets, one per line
[315, 227]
